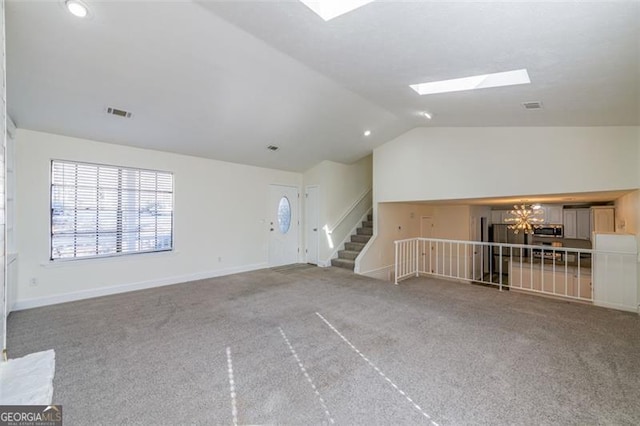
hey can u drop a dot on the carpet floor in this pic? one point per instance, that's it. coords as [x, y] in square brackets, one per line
[322, 345]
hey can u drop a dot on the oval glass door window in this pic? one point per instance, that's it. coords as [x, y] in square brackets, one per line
[284, 215]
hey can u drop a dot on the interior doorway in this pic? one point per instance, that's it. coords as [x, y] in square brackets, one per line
[312, 207]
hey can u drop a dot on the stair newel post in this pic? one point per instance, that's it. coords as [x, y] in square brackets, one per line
[396, 266]
[417, 256]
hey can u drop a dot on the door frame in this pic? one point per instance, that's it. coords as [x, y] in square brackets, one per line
[306, 217]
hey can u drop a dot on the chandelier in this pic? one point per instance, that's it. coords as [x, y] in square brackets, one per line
[524, 219]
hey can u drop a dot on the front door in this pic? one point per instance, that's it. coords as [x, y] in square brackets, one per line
[283, 225]
[311, 223]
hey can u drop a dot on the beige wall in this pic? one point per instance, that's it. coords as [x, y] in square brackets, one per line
[628, 213]
[397, 221]
[340, 186]
[219, 225]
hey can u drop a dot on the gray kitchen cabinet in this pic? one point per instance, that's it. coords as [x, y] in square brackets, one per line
[577, 223]
[552, 214]
[583, 224]
[570, 223]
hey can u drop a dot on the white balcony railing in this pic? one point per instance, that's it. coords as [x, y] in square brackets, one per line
[556, 271]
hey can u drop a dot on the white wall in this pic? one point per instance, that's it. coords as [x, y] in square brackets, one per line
[3, 139]
[340, 186]
[462, 163]
[220, 211]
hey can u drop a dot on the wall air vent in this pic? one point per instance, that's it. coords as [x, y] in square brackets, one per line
[118, 112]
[532, 105]
[272, 148]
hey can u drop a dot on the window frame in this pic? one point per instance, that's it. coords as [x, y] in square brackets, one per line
[111, 255]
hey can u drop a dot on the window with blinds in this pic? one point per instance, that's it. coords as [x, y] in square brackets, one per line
[100, 210]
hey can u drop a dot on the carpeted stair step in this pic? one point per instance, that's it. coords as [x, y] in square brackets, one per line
[360, 238]
[354, 246]
[343, 263]
[364, 231]
[348, 254]
[347, 257]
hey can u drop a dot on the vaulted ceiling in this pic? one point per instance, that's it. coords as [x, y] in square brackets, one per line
[224, 79]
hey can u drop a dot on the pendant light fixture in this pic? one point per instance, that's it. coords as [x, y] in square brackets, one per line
[524, 218]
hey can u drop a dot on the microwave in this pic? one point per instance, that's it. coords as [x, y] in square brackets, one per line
[548, 231]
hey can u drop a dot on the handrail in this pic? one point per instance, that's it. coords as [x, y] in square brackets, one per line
[347, 212]
[525, 270]
[528, 246]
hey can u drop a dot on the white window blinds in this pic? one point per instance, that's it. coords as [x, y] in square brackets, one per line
[99, 210]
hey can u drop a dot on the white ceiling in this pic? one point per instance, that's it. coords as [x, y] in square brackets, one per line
[224, 79]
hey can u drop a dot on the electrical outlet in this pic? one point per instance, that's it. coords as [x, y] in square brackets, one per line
[33, 282]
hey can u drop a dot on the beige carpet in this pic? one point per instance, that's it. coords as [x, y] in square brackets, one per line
[312, 345]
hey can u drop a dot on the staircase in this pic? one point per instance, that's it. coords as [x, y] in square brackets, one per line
[347, 257]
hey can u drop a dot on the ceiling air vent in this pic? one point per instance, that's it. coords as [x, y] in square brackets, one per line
[118, 112]
[532, 105]
[272, 148]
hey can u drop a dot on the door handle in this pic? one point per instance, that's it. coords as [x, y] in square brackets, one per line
[271, 229]
[315, 229]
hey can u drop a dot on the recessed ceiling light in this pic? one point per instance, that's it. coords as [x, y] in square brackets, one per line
[427, 115]
[329, 9]
[367, 132]
[77, 8]
[507, 78]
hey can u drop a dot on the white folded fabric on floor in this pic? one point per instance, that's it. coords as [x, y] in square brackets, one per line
[28, 380]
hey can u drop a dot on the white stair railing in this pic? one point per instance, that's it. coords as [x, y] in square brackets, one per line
[556, 271]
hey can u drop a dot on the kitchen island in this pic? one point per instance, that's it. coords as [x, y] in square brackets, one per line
[556, 278]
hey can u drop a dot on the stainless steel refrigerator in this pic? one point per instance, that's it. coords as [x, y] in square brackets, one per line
[502, 234]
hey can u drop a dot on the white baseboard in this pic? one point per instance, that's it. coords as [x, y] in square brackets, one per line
[383, 273]
[617, 306]
[124, 288]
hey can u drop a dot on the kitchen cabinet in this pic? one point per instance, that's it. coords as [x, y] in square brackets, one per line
[577, 223]
[570, 223]
[500, 216]
[603, 219]
[496, 217]
[583, 224]
[552, 215]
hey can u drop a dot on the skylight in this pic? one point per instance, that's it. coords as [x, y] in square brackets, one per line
[507, 78]
[329, 9]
